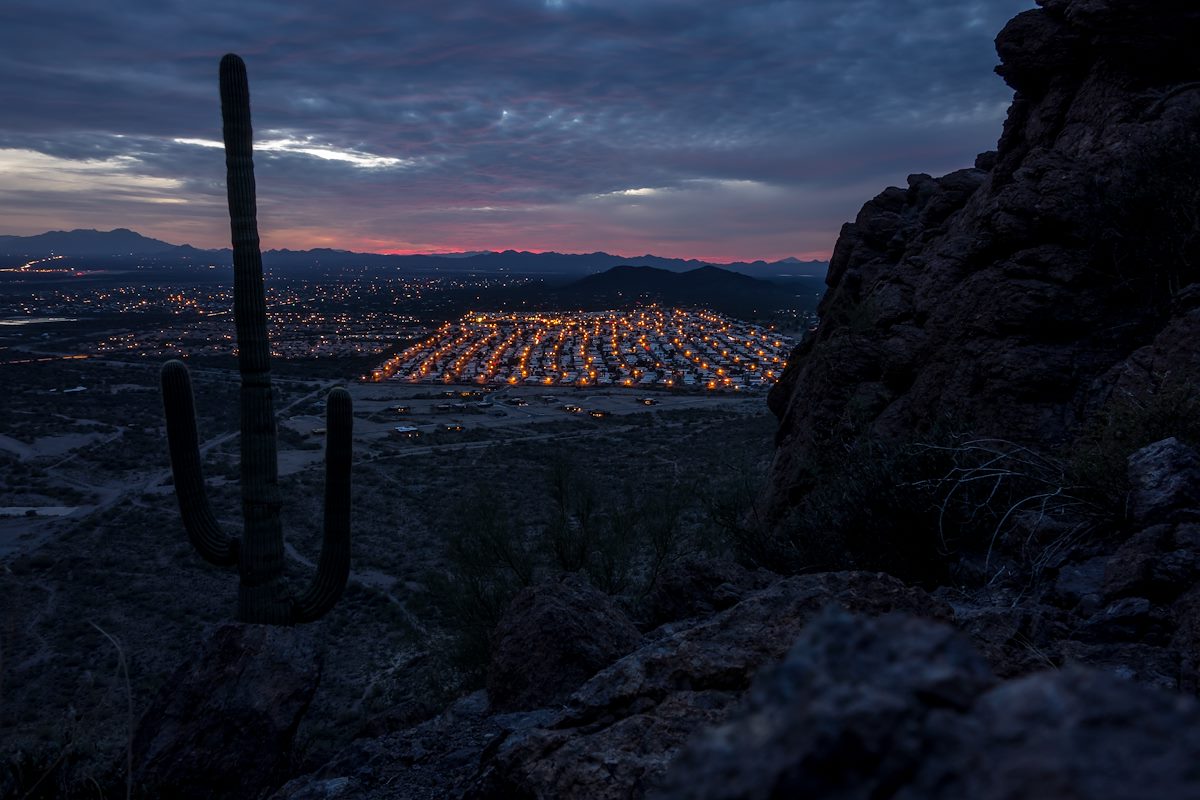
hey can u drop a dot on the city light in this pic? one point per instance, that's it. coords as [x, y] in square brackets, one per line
[649, 348]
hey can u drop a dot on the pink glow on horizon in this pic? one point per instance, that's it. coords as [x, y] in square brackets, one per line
[205, 236]
[372, 245]
[307, 240]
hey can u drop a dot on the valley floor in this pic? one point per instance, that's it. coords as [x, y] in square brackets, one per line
[114, 581]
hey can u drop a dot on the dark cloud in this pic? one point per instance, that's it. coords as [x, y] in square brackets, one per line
[761, 126]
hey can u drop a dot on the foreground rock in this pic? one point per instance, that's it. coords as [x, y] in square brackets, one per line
[698, 586]
[847, 713]
[622, 728]
[782, 696]
[552, 638]
[224, 723]
[900, 707]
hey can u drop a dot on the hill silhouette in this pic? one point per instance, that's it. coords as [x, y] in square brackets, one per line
[627, 286]
[86, 242]
[124, 243]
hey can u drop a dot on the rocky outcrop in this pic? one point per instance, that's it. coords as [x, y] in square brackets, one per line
[829, 704]
[845, 714]
[778, 694]
[622, 728]
[900, 707]
[618, 732]
[697, 586]
[1015, 298]
[552, 638]
[224, 723]
[1164, 482]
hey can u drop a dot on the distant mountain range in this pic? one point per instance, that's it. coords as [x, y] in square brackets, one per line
[123, 245]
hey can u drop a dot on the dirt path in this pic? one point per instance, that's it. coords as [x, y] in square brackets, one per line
[112, 494]
[16, 447]
[380, 581]
[45, 610]
[483, 445]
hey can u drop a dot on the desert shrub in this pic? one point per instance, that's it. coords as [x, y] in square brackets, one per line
[1003, 502]
[950, 504]
[493, 552]
[865, 508]
[490, 560]
[1123, 426]
[1145, 223]
[731, 507]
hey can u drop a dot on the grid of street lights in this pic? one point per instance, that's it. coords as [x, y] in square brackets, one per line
[644, 348]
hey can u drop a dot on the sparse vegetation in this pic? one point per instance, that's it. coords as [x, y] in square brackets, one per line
[618, 533]
[388, 647]
[954, 504]
[1126, 424]
[1145, 225]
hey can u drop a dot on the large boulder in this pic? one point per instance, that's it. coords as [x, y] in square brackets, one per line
[224, 723]
[844, 715]
[902, 708]
[553, 637]
[1164, 479]
[1079, 733]
[699, 586]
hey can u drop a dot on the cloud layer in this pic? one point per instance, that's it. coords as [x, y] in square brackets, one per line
[712, 129]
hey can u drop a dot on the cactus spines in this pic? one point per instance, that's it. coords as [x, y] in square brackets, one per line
[263, 596]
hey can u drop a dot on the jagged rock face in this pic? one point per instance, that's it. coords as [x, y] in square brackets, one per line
[1013, 298]
[225, 722]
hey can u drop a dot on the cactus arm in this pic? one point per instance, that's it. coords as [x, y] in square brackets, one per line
[201, 524]
[334, 567]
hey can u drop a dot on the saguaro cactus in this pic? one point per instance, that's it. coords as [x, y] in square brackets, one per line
[263, 595]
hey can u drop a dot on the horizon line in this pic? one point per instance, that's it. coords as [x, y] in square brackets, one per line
[805, 258]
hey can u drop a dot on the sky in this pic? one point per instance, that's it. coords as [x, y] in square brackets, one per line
[715, 129]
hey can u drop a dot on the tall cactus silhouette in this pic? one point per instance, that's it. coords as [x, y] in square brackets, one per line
[263, 595]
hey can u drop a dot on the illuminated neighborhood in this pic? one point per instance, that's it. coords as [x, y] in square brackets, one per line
[643, 348]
